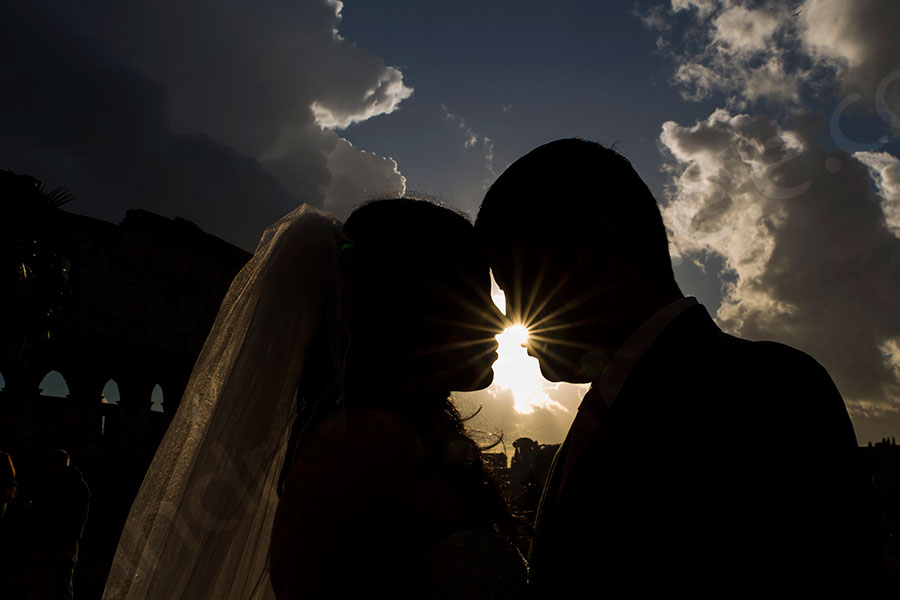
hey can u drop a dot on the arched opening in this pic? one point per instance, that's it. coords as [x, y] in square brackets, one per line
[156, 399]
[110, 392]
[54, 384]
[2, 383]
[110, 395]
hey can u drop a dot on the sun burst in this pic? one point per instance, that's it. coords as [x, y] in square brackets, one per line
[515, 370]
[520, 373]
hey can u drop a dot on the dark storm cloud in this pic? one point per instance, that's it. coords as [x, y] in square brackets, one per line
[859, 41]
[269, 79]
[71, 115]
[204, 110]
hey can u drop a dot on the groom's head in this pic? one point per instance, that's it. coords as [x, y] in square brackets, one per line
[576, 240]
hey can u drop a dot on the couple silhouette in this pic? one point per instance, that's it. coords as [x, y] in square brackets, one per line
[316, 453]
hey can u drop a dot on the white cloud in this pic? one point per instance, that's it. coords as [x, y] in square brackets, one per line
[772, 82]
[498, 415]
[384, 98]
[885, 170]
[808, 237]
[858, 40]
[655, 17]
[738, 51]
[250, 74]
[741, 29]
[805, 237]
[357, 176]
[472, 138]
[703, 7]
[776, 52]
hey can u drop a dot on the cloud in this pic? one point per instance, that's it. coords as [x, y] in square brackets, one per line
[654, 17]
[472, 139]
[741, 29]
[389, 90]
[221, 112]
[80, 120]
[358, 176]
[810, 244]
[498, 415]
[885, 170]
[752, 51]
[741, 50]
[858, 40]
[806, 226]
[703, 7]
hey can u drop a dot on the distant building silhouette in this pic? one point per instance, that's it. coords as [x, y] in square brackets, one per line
[883, 462]
[120, 313]
[528, 473]
[523, 480]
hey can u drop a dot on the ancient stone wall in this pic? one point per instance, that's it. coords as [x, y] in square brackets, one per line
[97, 302]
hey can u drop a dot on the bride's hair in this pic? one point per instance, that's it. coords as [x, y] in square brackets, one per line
[413, 274]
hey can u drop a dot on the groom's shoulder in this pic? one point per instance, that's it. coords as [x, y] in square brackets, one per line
[766, 358]
[788, 377]
[697, 343]
[775, 357]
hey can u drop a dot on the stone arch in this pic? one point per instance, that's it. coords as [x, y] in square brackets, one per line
[54, 384]
[111, 392]
[110, 396]
[156, 399]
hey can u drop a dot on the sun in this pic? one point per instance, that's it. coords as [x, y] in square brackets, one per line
[515, 370]
[517, 335]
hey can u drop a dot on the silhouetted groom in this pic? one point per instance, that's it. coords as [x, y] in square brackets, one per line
[698, 461]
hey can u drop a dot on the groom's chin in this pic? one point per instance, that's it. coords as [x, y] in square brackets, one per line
[484, 381]
[475, 384]
[558, 373]
[548, 372]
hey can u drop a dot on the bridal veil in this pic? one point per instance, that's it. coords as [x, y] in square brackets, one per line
[200, 525]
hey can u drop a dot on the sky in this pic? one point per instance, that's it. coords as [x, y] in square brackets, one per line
[768, 132]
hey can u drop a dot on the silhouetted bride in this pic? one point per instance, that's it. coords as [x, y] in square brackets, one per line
[327, 377]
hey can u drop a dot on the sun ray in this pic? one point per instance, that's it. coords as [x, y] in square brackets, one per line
[514, 370]
[568, 306]
[520, 374]
[560, 342]
[447, 346]
[532, 311]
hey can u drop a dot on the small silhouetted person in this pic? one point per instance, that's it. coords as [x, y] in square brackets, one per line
[7, 482]
[59, 511]
[698, 462]
[12, 547]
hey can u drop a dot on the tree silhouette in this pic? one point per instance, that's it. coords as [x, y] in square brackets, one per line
[33, 270]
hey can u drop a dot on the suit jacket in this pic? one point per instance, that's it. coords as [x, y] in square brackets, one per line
[723, 466]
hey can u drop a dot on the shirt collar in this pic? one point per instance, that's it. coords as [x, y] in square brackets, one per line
[635, 347]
